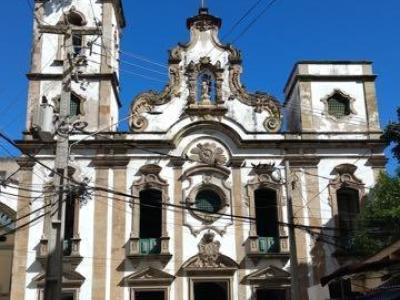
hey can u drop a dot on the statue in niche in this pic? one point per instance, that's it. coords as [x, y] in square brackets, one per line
[205, 89]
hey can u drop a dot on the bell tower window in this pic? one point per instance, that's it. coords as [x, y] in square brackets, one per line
[75, 106]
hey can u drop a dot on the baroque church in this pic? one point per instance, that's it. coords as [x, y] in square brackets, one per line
[192, 202]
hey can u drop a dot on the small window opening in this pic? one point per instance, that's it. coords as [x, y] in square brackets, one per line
[211, 290]
[77, 44]
[74, 106]
[338, 106]
[69, 226]
[67, 296]
[267, 220]
[208, 201]
[149, 295]
[206, 93]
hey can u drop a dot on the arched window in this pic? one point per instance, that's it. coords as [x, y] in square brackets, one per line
[76, 18]
[348, 203]
[150, 228]
[266, 213]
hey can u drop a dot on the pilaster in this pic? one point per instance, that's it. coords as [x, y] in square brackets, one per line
[19, 270]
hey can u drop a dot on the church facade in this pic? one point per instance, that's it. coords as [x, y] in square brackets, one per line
[191, 203]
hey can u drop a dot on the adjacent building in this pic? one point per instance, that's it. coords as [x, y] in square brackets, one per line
[191, 203]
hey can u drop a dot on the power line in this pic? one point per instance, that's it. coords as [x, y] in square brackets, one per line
[237, 23]
[247, 28]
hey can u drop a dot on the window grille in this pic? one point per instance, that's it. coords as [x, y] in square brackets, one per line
[74, 106]
[338, 106]
[208, 201]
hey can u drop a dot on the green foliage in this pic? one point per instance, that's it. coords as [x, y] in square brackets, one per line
[379, 220]
[392, 135]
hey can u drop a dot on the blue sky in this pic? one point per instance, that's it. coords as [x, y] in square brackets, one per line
[288, 32]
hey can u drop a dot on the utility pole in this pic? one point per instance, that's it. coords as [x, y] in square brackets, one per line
[294, 276]
[56, 228]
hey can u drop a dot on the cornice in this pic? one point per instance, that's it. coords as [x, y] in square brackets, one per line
[92, 76]
[108, 161]
[303, 161]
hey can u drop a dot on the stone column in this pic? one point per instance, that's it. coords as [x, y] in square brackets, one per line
[239, 210]
[19, 268]
[299, 164]
[118, 228]
[178, 225]
[100, 229]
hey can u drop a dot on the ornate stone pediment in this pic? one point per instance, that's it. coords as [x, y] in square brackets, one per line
[201, 85]
[270, 275]
[209, 259]
[345, 174]
[69, 279]
[149, 276]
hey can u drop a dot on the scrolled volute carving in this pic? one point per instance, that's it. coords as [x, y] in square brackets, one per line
[259, 100]
[145, 102]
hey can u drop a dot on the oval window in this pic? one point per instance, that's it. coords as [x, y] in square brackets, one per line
[208, 201]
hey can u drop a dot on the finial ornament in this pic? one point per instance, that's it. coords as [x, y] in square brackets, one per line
[203, 3]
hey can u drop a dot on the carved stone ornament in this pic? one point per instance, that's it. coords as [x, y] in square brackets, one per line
[203, 21]
[260, 101]
[345, 174]
[208, 153]
[209, 261]
[208, 252]
[145, 102]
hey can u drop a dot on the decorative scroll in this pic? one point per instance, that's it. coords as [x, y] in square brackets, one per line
[145, 102]
[260, 101]
[208, 252]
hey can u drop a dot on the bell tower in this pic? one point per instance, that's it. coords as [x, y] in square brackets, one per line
[96, 30]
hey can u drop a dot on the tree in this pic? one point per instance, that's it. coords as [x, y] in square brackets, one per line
[379, 220]
[392, 135]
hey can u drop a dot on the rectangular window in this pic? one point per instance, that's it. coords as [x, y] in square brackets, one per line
[3, 175]
[207, 290]
[150, 230]
[142, 294]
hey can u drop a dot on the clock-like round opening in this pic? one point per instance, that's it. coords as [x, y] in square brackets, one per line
[208, 201]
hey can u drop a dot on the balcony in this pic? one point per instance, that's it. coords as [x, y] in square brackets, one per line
[151, 248]
[266, 247]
